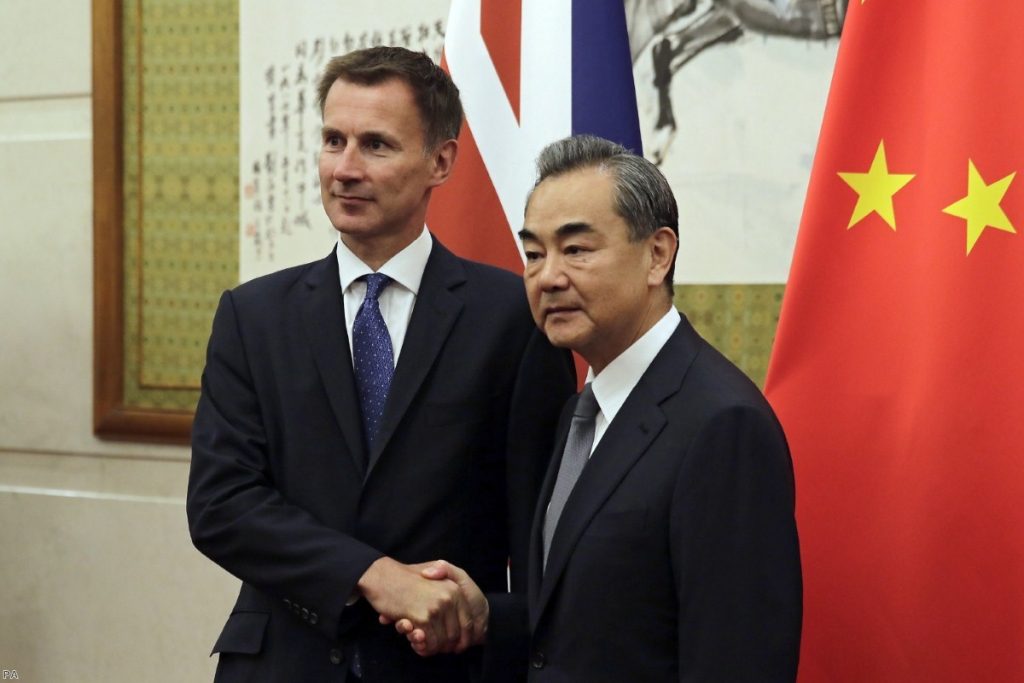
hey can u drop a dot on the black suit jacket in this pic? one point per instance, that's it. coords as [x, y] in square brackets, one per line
[675, 558]
[283, 495]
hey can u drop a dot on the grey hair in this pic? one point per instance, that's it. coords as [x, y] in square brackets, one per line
[643, 196]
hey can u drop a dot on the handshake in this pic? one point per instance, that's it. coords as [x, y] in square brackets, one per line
[435, 605]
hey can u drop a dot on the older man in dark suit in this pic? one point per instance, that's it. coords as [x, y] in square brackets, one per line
[355, 412]
[664, 545]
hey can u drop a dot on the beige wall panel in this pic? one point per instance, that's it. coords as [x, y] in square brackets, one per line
[45, 48]
[46, 282]
[95, 475]
[45, 271]
[64, 118]
[106, 590]
[44, 274]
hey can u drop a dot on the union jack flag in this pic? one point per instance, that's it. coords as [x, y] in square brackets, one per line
[530, 72]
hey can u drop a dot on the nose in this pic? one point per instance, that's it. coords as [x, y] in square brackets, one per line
[551, 275]
[348, 165]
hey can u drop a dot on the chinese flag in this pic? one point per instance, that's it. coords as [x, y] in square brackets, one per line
[898, 368]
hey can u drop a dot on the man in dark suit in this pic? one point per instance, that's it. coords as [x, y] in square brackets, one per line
[322, 469]
[664, 545]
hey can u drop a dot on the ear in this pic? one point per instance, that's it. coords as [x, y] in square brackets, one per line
[443, 160]
[662, 245]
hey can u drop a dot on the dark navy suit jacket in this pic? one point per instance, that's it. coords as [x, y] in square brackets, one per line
[675, 557]
[283, 494]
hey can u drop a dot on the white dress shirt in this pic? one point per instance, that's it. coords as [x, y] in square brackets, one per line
[397, 299]
[613, 385]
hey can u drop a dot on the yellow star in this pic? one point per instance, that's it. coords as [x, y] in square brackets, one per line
[980, 208]
[875, 189]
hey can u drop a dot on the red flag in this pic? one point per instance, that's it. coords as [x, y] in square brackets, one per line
[898, 368]
[529, 72]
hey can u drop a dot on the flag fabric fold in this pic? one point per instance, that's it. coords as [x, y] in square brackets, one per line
[898, 366]
[530, 72]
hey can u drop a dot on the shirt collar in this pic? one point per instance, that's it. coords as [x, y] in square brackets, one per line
[406, 267]
[613, 385]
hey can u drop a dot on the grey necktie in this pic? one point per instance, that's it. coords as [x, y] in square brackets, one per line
[574, 458]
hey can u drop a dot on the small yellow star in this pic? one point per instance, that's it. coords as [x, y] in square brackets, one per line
[875, 189]
[980, 208]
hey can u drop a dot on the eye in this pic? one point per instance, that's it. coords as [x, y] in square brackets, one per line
[531, 255]
[332, 140]
[575, 250]
[376, 145]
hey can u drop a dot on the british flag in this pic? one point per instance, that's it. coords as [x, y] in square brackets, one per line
[530, 72]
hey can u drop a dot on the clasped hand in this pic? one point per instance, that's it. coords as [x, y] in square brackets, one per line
[435, 605]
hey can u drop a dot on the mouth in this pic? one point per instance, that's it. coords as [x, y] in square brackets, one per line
[557, 311]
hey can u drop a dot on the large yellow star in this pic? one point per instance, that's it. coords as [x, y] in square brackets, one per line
[875, 189]
[980, 208]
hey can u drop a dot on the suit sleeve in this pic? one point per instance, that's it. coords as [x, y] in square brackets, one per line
[545, 381]
[506, 652]
[734, 551]
[236, 515]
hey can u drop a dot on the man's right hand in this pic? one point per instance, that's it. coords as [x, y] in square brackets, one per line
[473, 631]
[436, 609]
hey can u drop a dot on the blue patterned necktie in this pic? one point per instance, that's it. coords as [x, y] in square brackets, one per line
[574, 458]
[374, 356]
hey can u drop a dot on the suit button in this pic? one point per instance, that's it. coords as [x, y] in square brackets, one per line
[537, 660]
[313, 618]
[336, 657]
[305, 614]
[287, 602]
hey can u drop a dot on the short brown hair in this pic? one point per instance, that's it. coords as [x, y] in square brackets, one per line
[433, 90]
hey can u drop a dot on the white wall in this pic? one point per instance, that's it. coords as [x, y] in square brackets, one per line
[98, 580]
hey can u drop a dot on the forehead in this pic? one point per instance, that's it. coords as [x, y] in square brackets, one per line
[582, 196]
[389, 103]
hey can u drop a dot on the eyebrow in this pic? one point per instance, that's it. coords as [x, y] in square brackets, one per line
[326, 131]
[565, 230]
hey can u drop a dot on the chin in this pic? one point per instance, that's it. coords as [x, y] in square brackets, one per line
[353, 228]
[563, 339]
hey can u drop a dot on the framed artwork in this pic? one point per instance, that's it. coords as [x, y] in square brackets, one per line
[165, 141]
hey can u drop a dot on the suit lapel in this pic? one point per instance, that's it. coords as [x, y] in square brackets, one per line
[627, 438]
[433, 316]
[323, 316]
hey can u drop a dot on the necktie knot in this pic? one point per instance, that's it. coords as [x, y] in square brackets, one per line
[375, 284]
[586, 406]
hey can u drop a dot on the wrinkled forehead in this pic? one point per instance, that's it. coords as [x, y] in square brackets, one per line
[570, 204]
[388, 105]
